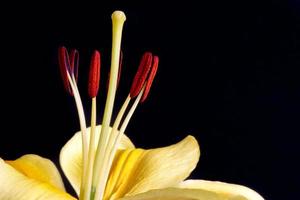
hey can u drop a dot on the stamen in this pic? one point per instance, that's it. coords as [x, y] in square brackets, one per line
[116, 135]
[130, 112]
[82, 123]
[69, 79]
[150, 78]
[64, 63]
[91, 155]
[141, 75]
[94, 79]
[94, 76]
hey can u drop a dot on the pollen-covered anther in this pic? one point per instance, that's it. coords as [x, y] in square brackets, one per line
[150, 78]
[141, 74]
[94, 75]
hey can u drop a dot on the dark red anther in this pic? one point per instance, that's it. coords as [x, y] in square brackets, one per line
[94, 75]
[74, 63]
[64, 66]
[150, 78]
[141, 75]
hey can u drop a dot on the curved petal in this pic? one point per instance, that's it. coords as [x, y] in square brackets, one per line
[226, 190]
[71, 156]
[137, 171]
[38, 168]
[177, 194]
[16, 186]
[199, 190]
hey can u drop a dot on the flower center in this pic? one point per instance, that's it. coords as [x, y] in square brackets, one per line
[97, 164]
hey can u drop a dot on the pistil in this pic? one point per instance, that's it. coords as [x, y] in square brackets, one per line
[118, 19]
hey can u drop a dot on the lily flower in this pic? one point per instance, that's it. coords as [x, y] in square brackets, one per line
[100, 161]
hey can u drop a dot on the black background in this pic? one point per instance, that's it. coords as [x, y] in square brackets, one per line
[229, 75]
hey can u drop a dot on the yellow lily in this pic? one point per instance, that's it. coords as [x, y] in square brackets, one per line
[139, 174]
[101, 162]
[136, 174]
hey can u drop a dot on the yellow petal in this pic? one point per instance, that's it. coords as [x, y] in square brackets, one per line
[176, 194]
[71, 156]
[199, 190]
[38, 168]
[16, 186]
[136, 170]
[225, 190]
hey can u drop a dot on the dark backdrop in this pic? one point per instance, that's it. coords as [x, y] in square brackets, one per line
[228, 75]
